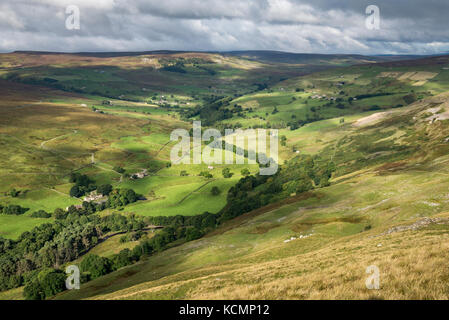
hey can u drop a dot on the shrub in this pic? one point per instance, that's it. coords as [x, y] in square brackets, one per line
[14, 193]
[226, 173]
[215, 191]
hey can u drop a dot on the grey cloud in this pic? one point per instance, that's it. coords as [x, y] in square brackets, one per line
[321, 26]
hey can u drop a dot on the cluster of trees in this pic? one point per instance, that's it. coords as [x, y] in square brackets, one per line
[14, 193]
[177, 229]
[121, 197]
[41, 214]
[295, 124]
[204, 222]
[44, 284]
[214, 109]
[298, 175]
[206, 174]
[226, 172]
[371, 95]
[83, 184]
[12, 209]
[177, 67]
[51, 245]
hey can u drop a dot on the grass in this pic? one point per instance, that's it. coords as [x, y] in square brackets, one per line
[183, 195]
[13, 226]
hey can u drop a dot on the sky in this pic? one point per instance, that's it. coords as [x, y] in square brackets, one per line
[303, 26]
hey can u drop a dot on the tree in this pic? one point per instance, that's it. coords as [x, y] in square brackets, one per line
[118, 169]
[245, 172]
[60, 214]
[183, 173]
[324, 182]
[122, 259]
[226, 173]
[44, 284]
[215, 191]
[209, 221]
[53, 283]
[33, 291]
[75, 191]
[96, 266]
[283, 140]
[206, 175]
[104, 189]
[13, 193]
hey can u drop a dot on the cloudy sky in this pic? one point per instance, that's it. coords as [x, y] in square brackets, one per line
[312, 26]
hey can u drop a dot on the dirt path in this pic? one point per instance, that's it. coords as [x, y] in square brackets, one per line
[55, 138]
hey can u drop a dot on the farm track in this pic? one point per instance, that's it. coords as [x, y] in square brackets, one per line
[197, 189]
[62, 193]
[157, 154]
[56, 138]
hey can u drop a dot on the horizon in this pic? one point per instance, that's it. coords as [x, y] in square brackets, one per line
[161, 51]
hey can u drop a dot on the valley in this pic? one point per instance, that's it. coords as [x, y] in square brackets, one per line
[363, 156]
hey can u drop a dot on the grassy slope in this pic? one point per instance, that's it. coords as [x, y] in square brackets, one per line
[247, 258]
[394, 80]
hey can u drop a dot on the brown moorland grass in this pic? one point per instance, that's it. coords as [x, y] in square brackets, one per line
[412, 265]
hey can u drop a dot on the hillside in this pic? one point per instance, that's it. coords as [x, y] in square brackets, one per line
[319, 244]
[362, 178]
